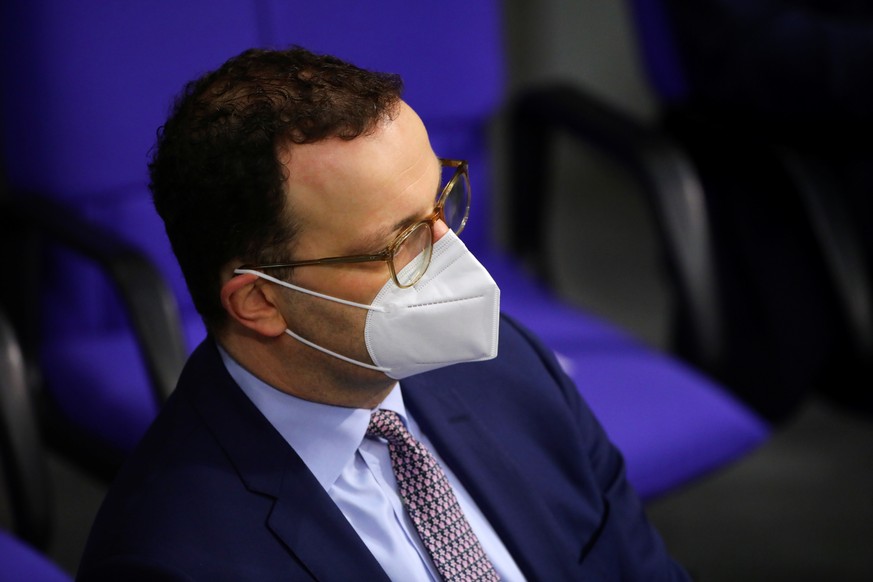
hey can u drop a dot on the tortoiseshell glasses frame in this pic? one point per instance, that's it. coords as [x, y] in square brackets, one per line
[412, 247]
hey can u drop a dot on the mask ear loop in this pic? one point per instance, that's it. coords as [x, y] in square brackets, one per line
[307, 291]
[322, 296]
[334, 354]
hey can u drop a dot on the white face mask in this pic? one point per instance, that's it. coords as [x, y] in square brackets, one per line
[450, 316]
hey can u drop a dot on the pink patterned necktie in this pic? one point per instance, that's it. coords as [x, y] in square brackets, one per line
[430, 502]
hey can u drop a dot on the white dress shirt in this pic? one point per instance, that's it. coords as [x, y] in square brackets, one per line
[356, 472]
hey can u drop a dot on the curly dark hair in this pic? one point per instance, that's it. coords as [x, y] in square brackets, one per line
[216, 179]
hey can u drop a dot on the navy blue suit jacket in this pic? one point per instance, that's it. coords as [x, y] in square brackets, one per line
[214, 493]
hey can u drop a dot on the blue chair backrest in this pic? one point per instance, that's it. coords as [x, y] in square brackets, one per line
[92, 83]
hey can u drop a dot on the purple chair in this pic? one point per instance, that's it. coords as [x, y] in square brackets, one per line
[93, 81]
[118, 68]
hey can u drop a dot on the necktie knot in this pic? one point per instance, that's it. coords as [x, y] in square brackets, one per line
[388, 425]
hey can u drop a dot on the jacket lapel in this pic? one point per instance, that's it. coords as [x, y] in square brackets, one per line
[304, 517]
[498, 485]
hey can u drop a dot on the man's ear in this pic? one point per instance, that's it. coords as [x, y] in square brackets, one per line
[251, 304]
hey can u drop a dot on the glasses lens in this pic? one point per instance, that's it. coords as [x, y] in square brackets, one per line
[412, 256]
[456, 205]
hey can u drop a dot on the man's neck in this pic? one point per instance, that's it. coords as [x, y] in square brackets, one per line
[306, 373]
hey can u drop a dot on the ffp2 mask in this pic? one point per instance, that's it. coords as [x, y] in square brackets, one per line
[449, 316]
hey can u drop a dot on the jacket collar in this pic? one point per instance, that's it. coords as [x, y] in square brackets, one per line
[303, 516]
[493, 478]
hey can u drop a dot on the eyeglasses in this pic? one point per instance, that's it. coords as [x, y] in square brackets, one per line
[408, 256]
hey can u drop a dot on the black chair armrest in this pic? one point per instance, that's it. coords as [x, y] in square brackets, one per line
[21, 452]
[667, 177]
[146, 296]
[841, 245]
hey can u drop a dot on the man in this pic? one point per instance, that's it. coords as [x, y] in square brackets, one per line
[317, 231]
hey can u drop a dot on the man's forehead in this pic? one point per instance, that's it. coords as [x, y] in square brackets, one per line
[395, 147]
[365, 188]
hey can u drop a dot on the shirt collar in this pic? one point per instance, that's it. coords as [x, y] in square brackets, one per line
[325, 437]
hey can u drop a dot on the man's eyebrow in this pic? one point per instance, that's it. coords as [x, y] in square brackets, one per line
[376, 242]
[382, 237]
[412, 219]
[380, 240]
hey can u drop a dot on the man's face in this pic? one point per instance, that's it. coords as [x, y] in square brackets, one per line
[353, 197]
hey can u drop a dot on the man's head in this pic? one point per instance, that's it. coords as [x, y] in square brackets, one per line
[219, 171]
